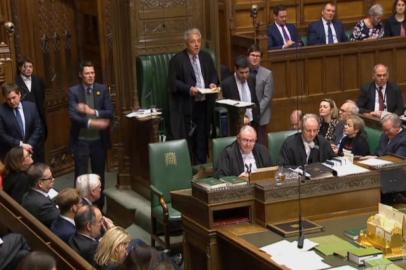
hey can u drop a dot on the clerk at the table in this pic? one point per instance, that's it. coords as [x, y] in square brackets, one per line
[243, 155]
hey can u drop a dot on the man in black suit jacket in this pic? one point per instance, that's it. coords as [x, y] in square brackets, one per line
[91, 112]
[326, 30]
[13, 248]
[68, 201]
[380, 95]
[191, 112]
[33, 89]
[281, 34]
[307, 146]
[20, 124]
[36, 200]
[89, 224]
[393, 138]
[241, 87]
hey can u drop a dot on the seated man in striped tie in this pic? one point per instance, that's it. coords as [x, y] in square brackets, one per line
[20, 123]
[380, 95]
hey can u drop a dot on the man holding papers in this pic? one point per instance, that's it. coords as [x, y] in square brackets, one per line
[243, 155]
[241, 87]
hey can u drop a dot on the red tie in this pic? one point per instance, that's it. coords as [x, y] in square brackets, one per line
[381, 99]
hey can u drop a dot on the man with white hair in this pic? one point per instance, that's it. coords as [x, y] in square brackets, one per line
[307, 146]
[191, 112]
[348, 108]
[393, 139]
[243, 155]
[89, 186]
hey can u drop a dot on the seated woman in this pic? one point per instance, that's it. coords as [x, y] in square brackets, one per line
[396, 24]
[112, 249]
[17, 182]
[355, 139]
[328, 119]
[370, 27]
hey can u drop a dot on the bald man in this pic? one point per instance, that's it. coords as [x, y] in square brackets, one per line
[243, 155]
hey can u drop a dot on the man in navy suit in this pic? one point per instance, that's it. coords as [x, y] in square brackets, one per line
[36, 200]
[191, 112]
[326, 30]
[33, 89]
[282, 35]
[393, 138]
[20, 124]
[68, 201]
[91, 113]
[380, 95]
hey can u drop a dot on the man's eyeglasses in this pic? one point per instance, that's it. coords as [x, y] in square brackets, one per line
[48, 179]
[248, 141]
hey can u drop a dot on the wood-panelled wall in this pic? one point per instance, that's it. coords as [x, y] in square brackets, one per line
[235, 19]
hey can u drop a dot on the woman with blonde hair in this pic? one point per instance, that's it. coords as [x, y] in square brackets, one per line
[112, 249]
[328, 119]
[355, 139]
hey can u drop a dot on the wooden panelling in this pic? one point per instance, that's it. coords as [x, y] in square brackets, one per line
[332, 75]
[350, 77]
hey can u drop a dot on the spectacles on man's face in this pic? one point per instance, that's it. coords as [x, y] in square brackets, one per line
[247, 141]
[48, 179]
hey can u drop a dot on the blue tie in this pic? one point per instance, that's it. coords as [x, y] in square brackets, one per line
[20, 121]
[330, 34]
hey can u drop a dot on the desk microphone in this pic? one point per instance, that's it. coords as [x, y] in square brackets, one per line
[300, 240]
[249, 169]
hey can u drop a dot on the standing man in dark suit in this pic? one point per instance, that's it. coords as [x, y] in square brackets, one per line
[241, 87]
[33, 89]
[282, 35]
[20, 124]
[190, 112]
[326, 30]
[36, 200]
[380, 95]
[264, 88]
[91, 113]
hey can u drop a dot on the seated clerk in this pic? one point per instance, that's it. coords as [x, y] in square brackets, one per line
[355, 139]
[89, 223]
[393, 139]
[68, 201]
[242, 155]
[307, 146]
[36, 200]
[242, 87]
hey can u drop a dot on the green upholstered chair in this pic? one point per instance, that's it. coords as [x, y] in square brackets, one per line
[219, 144]
[275, 141]
[373, 138]
[170, 169]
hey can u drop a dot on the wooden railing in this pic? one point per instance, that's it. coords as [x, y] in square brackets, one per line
[39, 237]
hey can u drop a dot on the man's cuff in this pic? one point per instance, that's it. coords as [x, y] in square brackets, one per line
[21, 143]
[88, 123]
[97, 113]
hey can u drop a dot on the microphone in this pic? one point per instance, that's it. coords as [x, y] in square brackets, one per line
[300, 240]
[249, 169]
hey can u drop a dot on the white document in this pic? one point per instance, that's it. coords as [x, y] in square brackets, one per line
[375, 162]
[346, 169]
[288, 254]
[205, 91]
[140, 114]
[235, 103]
[52, 193]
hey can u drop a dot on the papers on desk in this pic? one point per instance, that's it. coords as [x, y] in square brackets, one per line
[143, 113]
[286, 253]
[375, 162]
[235, 103]
[344, 167]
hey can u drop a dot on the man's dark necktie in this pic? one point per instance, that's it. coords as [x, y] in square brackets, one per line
[285, 34]
[89, 90]
[330, 34]
[19, 121]
[381, 99]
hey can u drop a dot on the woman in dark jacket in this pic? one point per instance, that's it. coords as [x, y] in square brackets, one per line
[17, 181]
[355, 139]
[396, 24]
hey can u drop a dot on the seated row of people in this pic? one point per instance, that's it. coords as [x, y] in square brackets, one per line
[327, 30]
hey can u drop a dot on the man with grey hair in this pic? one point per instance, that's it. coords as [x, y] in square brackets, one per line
[393, 139]
[191, 112]
[380, 95]
[89, 186]
[348, 108]
[307, 146]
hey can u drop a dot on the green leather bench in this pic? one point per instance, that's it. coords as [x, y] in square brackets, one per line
[218, 146]
[275, 141]
[373, 138]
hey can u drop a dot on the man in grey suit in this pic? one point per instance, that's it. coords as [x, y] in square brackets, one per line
[264, 88]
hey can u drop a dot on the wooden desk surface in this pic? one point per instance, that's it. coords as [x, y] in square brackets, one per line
[248, 238]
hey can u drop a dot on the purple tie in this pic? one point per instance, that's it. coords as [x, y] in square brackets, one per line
[285, 34]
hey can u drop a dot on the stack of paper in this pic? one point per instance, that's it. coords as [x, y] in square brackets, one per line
[286, 253]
